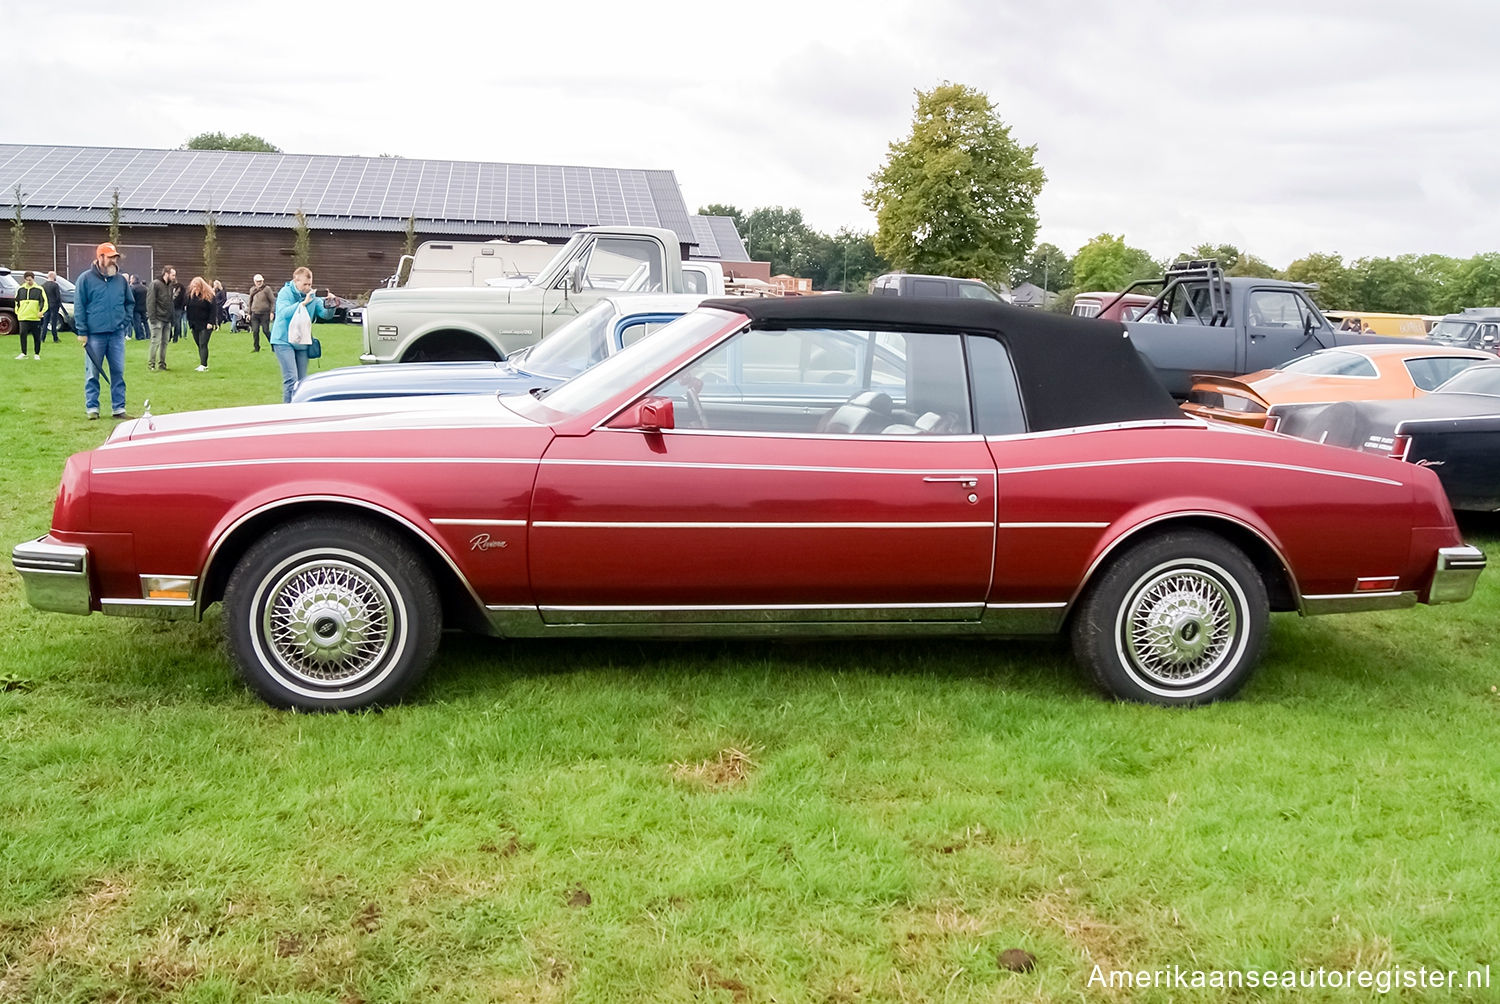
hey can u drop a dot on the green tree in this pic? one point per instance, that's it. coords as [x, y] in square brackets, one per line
[210, 245]
[18, 231]
[720, 209]
[1335, 282]
[1048, 267]
[1477, 282]
[1227, 255]
[219, 141]
[1390, 284]
[778, 235]
[114, 219]
[1441, 273]
[409, 245]
[301, 241]
[958, 195]
[1107, 263]
[1257, 268]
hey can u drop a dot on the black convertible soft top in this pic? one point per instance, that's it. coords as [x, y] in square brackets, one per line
[1072, 370]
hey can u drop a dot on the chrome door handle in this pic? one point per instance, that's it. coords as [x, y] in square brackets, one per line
[966, 482]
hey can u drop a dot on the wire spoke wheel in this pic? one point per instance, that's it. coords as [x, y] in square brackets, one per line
[331, 614]
[1179, 626]
[328, 622]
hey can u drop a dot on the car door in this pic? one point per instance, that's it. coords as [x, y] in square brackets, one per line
[879, 509]
[1276, 325]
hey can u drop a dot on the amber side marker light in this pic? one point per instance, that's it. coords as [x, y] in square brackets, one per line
[167, 587]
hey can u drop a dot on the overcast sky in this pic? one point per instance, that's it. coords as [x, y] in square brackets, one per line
[1368, 128]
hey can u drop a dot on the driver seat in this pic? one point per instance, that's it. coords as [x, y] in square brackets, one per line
[864, 413]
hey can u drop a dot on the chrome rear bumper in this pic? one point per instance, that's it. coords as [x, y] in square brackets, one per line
[56, 575]
[1457, 571]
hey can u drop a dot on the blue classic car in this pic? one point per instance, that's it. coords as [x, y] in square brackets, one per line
[593, 336]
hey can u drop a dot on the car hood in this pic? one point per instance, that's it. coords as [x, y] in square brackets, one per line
[407, 379]
[386, 413]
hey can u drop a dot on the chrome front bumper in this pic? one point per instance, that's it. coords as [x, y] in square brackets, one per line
[1457, 571]
[56, 575]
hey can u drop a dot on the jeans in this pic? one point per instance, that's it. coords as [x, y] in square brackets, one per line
[293, 362]
[100, 350]
[139, 328]
[161, 333]
[52, 320]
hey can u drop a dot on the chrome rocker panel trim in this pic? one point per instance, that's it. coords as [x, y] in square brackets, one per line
[1348, 603]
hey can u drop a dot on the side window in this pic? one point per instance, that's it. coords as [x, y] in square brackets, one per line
[976, 291]
[1274, 308]
[826, 381]
[694, 281]
[1429, 373]
[997, 398]
[622, 263]
[930, 287]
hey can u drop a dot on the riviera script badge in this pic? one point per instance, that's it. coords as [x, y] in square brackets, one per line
[482, 542]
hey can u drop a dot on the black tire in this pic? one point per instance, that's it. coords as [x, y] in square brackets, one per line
[331, 614]
[8, 323]
[1178, 619]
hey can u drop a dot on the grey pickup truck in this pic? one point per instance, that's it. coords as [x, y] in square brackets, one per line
[1206, 322]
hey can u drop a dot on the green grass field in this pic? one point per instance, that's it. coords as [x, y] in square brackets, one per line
[736, 822]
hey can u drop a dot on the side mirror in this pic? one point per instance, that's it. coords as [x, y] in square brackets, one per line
[649, 414]
[575, 277]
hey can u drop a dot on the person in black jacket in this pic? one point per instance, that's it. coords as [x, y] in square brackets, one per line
[221, 298]
[139, 327]
[52, 319]
[179, 308]
[202, 316]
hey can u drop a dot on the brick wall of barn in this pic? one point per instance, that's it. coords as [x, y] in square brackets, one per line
[351, 263]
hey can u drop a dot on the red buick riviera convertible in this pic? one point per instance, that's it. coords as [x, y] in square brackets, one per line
[825, 466]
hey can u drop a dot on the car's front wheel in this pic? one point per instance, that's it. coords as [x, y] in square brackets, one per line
[331, 615]
[1178, 619]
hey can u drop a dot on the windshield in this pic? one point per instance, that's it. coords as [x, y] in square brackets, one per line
[577, 345]
[595, 386]
[1332, 362]
[1479, 380]
[9, 285]
[1453, 331]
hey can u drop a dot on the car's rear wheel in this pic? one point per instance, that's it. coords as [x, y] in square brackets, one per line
[329, 614]
[8, 323]
[1178, 619]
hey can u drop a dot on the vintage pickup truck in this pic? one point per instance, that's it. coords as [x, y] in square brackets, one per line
[491, 322]
[1206, 322]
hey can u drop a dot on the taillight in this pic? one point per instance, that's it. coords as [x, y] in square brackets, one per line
[1399, 447]
[1273, 423]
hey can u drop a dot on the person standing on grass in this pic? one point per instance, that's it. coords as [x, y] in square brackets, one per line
[159, 316]
[202, 316]
[261, 307]
[221, 300]
[138, 326]
[53, 319]
[179, 308]
[31, 304]
[102, 309]
[295, 295]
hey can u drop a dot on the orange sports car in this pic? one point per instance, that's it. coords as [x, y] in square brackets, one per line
[1347, 373]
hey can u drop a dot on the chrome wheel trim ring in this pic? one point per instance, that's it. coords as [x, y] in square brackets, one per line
[328, 623]
[1182, 627]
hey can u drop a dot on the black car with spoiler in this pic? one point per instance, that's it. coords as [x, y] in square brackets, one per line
[1455, 430]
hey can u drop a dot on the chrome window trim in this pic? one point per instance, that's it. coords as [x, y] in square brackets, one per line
[229, 531]
[829, 436]
[1073, 430]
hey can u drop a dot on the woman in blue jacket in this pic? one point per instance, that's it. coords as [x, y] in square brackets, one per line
[293, 358]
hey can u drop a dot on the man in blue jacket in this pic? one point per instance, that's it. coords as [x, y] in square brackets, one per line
[103, 309]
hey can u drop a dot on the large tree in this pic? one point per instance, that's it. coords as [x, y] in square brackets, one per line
[721, 209]
[1108, 264]
[958, 195]
[1335, 283]
[219, 141]
[778, 235]
[1391, 284]
[1477, 283]
[1048, 267]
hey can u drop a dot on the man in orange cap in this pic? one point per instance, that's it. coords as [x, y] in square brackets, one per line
[103, 309]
